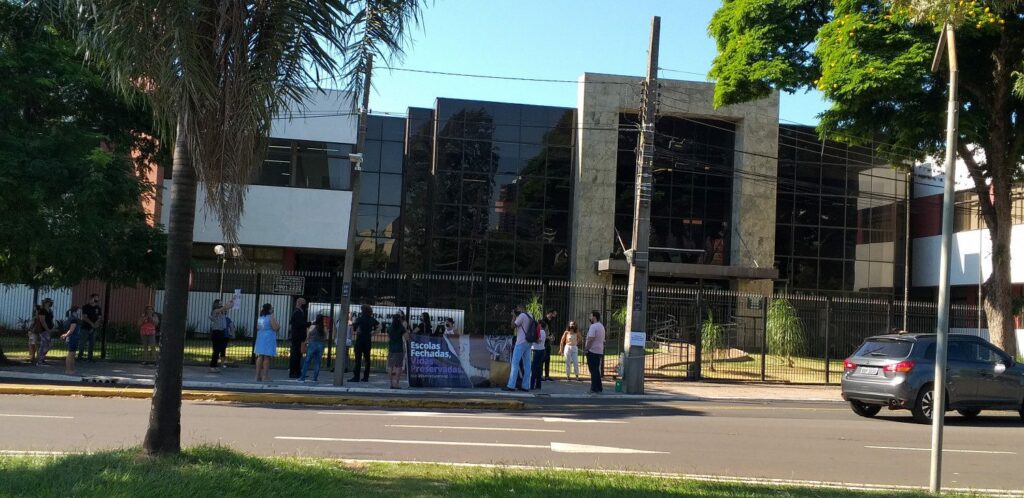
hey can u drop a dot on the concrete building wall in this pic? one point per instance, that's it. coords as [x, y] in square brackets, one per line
[972, 252]
[600, 100]
[324, 117]
[279, 217]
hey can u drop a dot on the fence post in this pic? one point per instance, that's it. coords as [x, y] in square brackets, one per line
[828, 327]
[332, 335]
[698, 339]
[106, 320]
[256, 317]
[888, 316]
[764, 336]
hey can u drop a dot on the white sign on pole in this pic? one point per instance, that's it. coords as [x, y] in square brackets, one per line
[638, 339]
[237, 300]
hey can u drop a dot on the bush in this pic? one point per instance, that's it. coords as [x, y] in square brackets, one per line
[712, 339]
[785, 331]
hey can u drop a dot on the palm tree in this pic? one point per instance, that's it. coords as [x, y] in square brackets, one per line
[215, 74]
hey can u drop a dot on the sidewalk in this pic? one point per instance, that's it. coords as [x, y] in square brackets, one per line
[242, 378]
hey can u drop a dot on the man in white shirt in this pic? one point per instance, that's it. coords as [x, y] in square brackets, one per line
[521, 351]
[595, 352]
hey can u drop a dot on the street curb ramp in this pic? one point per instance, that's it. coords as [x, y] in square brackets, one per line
[262, 398]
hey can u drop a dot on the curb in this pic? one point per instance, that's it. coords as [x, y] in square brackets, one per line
[264, 398]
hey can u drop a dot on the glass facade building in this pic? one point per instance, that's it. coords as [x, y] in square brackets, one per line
[840, 217]
[488, 189]
[693, 180]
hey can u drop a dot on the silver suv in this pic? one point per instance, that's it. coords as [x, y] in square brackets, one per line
[897, 371]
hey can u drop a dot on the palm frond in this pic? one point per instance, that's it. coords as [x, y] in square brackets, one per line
[224, 69]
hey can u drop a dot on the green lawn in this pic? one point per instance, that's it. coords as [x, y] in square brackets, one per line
[216, 471]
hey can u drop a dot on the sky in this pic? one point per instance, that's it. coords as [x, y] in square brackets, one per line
[551, 39]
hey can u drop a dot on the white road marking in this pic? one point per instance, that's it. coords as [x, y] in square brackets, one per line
[555, 447]
[945, 450]
[33, 453]
[586, 448]
[522, 418]
[428, 443]
[34, 416]
[468, 428]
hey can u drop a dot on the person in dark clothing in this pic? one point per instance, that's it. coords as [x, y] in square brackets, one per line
[364, 327]
[424, 327]
[297, 326]
[92, 316]
[545, 323]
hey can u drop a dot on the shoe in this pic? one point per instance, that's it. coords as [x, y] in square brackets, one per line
[507, 389]
[523, 390]
[354, 379]
[366, 379]
[214, 370]
[302, 381]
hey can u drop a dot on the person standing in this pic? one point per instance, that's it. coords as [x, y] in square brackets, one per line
[147, 333]
[72, 337]
[92, 316]
[45, 319]
[548, 337]
[266, 341]
[297, 326]
[595, 352]
[398, 349]
[539, 350]
[569, 348]
[364, 327]
[34, 328]
[449, 327]
[219, 331]
[521, 350]
[424, 327]
[316, 339]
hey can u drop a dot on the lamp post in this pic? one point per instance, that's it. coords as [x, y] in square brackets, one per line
[222, 257]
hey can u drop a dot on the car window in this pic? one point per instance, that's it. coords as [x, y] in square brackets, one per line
[884, 348]
[988, 354]
[962, 351]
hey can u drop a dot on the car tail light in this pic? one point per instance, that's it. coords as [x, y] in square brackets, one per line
[849, 366]
[901, 367]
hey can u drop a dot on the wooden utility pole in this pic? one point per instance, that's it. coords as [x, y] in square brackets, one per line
[341, 353]
[635, 337]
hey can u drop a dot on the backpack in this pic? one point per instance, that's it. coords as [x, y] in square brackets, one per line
[532, 329]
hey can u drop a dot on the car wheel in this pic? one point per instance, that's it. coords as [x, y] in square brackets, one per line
[864, 409]
[968, 413]
[924, 405]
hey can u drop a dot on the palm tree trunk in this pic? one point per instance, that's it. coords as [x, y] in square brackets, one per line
[164, 433]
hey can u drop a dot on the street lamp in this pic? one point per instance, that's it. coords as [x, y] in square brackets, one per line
[222, 256]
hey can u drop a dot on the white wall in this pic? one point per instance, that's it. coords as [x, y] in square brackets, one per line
[279, 217]
[323, 117]
[969, 249]
[16, 303]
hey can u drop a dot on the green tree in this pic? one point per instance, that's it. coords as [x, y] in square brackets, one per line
[215, 74]
[871, 59]
[71, 191]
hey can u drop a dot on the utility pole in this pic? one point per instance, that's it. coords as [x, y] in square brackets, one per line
[341, 354]
[906, 251]
[947, 43]
[635, 337]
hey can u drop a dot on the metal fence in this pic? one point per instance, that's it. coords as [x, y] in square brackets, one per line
[832, 327]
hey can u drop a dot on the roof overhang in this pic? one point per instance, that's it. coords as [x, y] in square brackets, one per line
[684, 270]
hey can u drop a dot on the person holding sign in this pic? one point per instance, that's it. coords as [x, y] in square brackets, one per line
[398, 349]
[526, 335]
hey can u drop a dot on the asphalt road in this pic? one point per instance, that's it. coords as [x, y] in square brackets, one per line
[781, 440]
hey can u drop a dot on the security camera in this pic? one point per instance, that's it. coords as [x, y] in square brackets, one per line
[356, 159]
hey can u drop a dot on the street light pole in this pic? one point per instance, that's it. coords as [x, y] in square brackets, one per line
[947, 42]
[635, 338]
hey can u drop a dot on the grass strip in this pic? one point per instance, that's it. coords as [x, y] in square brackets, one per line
[218, 471]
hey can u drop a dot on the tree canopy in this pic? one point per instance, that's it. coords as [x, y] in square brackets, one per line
[71, 191]
[872, 61]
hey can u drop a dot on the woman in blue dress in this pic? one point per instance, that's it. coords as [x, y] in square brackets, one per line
[266, 341]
